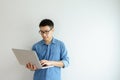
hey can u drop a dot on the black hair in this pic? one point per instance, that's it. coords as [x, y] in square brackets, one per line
[46, 22]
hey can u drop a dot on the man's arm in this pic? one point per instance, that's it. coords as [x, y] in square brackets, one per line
[45, 63]
[52, 63]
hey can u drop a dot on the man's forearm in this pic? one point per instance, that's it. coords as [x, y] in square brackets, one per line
[57, 63]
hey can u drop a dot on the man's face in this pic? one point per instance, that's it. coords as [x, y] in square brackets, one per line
[46, 32]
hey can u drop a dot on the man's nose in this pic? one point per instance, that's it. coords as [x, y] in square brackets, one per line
[44, 34]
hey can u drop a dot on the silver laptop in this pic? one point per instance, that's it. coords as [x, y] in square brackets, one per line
[28, 56]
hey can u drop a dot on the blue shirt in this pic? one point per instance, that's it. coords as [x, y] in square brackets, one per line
[55, 51]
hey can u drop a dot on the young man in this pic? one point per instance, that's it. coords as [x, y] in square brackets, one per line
[50, 52]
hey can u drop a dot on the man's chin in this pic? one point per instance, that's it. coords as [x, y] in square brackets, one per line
[45, 39]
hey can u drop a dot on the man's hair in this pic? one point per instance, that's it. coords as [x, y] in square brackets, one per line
[46, 22]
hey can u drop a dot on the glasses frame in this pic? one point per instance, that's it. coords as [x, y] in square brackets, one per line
[45, 32]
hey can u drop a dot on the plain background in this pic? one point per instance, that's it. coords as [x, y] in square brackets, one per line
[89, 28]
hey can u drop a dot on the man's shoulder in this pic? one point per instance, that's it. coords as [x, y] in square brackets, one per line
[58, 41]
[38, 43]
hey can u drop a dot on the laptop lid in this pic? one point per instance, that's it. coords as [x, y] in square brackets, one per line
[28, 56]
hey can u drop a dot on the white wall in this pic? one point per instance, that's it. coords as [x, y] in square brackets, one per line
[89, 28]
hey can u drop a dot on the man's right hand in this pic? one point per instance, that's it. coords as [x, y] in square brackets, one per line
[31, 67]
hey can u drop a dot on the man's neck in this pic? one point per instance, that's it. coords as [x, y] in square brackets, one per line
[48, 41]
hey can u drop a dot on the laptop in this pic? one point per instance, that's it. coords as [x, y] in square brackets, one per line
[28, 56]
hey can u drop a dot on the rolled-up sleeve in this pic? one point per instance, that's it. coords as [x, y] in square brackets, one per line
[64, 56]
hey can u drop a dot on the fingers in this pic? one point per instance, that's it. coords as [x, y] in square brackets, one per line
[34, 67]
[43, 62]
[30, 66]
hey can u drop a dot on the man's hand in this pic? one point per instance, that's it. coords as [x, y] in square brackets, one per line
[52, 63]
[31, 67]
[46, 63]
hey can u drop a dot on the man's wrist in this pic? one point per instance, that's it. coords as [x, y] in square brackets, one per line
[52, 63]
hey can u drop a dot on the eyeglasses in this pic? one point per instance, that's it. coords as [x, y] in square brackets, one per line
[45, 32]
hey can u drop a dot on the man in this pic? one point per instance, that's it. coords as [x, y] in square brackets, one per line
[51, 52]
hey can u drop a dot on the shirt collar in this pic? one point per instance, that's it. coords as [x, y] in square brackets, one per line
[53, 41]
